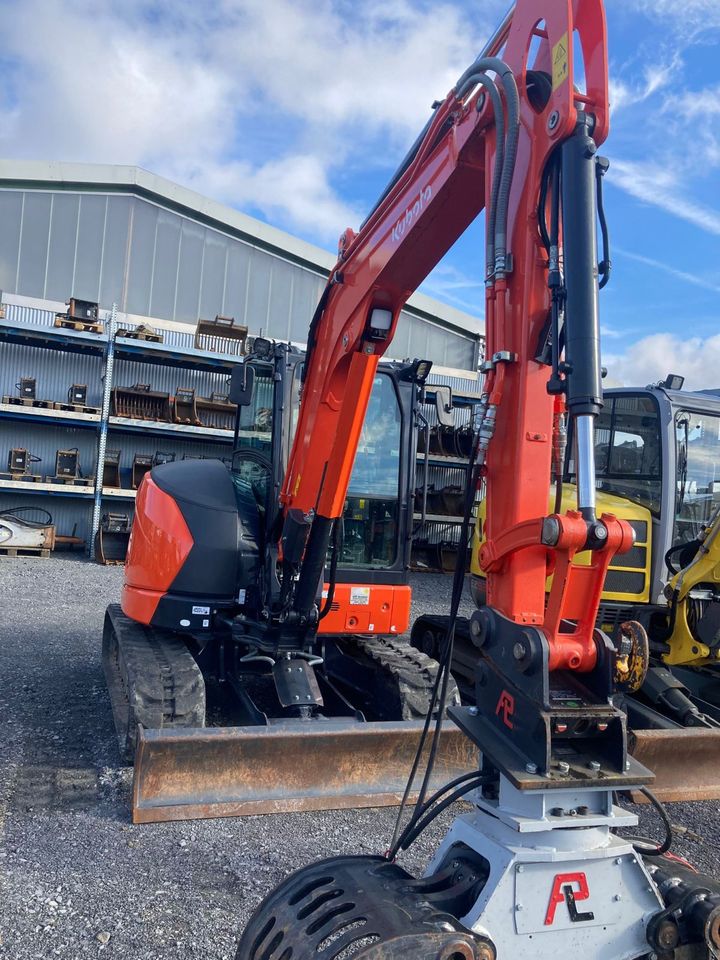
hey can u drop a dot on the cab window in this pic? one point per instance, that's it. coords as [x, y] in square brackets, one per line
[628, 455]
[697, 440]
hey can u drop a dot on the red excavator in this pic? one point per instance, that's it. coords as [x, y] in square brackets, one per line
[538, 865]
[208, 632]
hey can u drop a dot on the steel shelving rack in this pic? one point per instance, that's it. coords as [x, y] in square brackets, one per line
[21, 425]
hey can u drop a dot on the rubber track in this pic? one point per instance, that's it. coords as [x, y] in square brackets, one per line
[152, 678]
[410, 671]
[465, 654]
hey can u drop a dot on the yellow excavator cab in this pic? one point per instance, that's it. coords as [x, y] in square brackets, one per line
[628, 579]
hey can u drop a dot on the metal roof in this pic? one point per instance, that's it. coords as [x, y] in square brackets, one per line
[58, 175]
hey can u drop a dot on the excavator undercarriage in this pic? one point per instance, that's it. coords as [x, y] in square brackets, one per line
[354, 751]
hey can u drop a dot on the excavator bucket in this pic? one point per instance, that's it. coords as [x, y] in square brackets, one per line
[238, 771]
[685, 761]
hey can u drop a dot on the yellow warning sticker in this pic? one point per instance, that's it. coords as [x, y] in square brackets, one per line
[560, 61]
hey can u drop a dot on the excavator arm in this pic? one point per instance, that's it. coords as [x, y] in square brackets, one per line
[463, 162]
[538, 863]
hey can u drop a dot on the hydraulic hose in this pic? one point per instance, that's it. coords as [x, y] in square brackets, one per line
[494, 93]
[512, 99]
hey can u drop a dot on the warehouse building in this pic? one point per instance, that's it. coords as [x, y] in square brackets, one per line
[118, 234]
[167, 257]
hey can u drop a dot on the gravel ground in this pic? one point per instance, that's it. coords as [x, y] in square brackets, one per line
[76, 878]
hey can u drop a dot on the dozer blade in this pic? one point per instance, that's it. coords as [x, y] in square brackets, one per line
[326, 765]
[686, 762]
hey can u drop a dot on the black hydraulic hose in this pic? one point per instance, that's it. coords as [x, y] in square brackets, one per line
[494, 93]
[416, 827]
[644, 849]
[542, 203]
[601, 166]
[512, 99]
[332, 579]
[16, 511]
[438, 699]
[458, 584]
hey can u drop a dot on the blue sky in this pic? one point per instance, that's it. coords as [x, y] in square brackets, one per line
[297, 112]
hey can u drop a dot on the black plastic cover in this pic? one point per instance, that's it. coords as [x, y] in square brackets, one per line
[225, 551]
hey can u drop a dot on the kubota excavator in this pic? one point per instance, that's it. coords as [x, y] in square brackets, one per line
[537, 866]
[326, 688]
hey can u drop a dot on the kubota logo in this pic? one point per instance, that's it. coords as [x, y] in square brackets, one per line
[506, 707]
[562, 890]
[411, 215]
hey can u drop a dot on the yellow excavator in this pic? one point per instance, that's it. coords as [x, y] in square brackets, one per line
[657, 455]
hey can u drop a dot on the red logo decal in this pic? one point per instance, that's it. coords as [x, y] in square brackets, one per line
[506, 706]
[558, 895]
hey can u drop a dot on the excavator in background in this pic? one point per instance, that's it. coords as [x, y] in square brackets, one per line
[538, 866]
[658, 450]
[657, 465]
[206, 632]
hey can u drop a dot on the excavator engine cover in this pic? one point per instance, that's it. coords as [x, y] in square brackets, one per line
[194, 544]
[371, 909]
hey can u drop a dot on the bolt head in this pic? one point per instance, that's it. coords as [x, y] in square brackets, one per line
[531, 768]
[473, 711]
[553, 120]
[520, 868]
[594, 765]
[618, 861]
[563, 767]
[519, 651]
[518, 907]
[617, 897]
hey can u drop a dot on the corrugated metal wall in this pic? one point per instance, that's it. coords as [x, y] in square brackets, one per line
[53, 370]
[152, 262]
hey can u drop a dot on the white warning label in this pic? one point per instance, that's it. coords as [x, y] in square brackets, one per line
[359, 596]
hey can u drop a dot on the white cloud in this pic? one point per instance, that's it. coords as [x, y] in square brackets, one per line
[654, 357]
[692, 278]
[294, 189]
[660, 186]
[266, 105]
[690, 18]
[655, 77]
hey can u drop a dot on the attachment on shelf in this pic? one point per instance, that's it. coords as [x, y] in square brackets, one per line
[76, 400]
[82, 315]
[26, 394]
[216, 411]
[67, 467]
[184, 406]
[111, 469]
[111, 540]
[221, 335]
[77, 394]
[26, 387]
[141, 403]
[142, 332]
[19, 460]
[142, 464]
